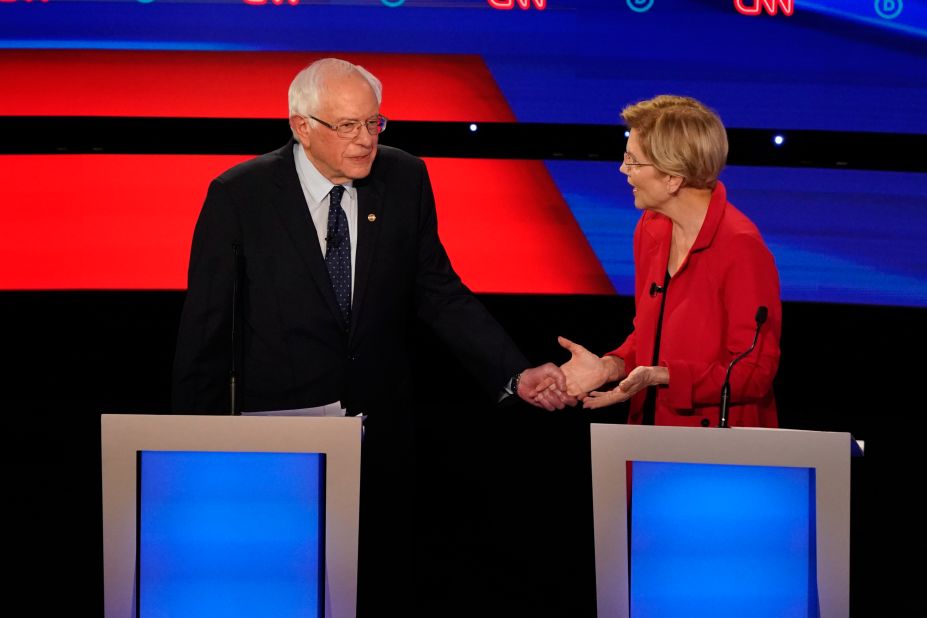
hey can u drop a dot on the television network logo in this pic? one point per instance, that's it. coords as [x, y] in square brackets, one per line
[508, 5]
[745, 7]
[499, 5]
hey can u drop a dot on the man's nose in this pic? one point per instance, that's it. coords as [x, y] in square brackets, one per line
[364, 138]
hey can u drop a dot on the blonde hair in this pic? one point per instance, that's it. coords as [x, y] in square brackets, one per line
[681, 137]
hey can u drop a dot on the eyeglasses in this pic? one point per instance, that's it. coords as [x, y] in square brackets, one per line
[629, 161]
[349, 129]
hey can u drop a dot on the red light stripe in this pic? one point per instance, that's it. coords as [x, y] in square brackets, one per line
[508, 230]
[101, 221]
[233, 84]
[125, 222]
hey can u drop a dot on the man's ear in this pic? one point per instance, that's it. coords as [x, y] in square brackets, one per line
[300, 127]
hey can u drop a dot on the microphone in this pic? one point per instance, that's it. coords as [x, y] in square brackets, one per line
[761, 314]
[656, 289]
[234, 400]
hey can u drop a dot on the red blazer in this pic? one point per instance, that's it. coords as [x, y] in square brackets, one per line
[710, 317]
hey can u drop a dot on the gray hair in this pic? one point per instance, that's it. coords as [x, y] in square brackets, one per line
[309, 84]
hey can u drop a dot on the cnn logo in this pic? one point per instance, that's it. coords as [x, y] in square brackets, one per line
[771, 6]
[505, 5]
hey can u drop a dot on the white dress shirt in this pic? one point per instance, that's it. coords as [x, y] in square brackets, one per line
[316, 188]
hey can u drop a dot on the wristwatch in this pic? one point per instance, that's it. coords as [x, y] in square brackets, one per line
[510, 388]
[515, 380]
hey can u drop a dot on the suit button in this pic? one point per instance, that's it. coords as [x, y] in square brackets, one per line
[352, 357]
[705, 422]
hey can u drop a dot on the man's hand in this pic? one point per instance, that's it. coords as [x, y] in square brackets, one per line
[545, 387]
[585, 371]
[639, 379]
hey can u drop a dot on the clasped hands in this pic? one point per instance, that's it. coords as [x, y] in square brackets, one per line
[552, 387]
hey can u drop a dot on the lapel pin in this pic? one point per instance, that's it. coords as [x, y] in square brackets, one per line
[371, 217]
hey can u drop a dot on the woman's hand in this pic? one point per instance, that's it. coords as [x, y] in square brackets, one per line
[586, 371]
[639, 379]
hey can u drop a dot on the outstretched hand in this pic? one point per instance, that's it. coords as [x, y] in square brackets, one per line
[584, 371]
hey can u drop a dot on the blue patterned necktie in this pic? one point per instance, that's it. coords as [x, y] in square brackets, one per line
[338, 252]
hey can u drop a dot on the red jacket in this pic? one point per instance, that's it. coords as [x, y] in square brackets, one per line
[709, 318]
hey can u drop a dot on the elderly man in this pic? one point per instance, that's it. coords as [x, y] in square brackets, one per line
[329, 293]
[337, 244]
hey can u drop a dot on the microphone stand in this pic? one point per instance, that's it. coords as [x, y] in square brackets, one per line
[234, 401]
[761, 314]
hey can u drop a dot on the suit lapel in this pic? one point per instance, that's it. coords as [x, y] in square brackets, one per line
[369, 211]
[291, 206]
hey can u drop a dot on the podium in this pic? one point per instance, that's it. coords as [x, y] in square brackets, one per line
[126, 438]
[721, 522]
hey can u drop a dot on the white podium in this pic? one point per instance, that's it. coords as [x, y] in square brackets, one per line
[124, 436]
[819, 460]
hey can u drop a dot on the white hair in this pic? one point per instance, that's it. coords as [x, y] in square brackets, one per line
[309, 84]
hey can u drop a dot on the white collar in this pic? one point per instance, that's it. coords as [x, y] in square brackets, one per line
[318, 185]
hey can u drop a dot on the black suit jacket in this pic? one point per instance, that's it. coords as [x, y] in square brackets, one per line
[295, 349]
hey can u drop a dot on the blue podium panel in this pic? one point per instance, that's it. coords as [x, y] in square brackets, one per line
[230, 534]
[722, 541]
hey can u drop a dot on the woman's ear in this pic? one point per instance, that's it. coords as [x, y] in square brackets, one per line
[674, 183]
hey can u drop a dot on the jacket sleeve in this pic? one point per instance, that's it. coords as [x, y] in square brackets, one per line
[453, 312]
[202, 361]
[748, 281]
